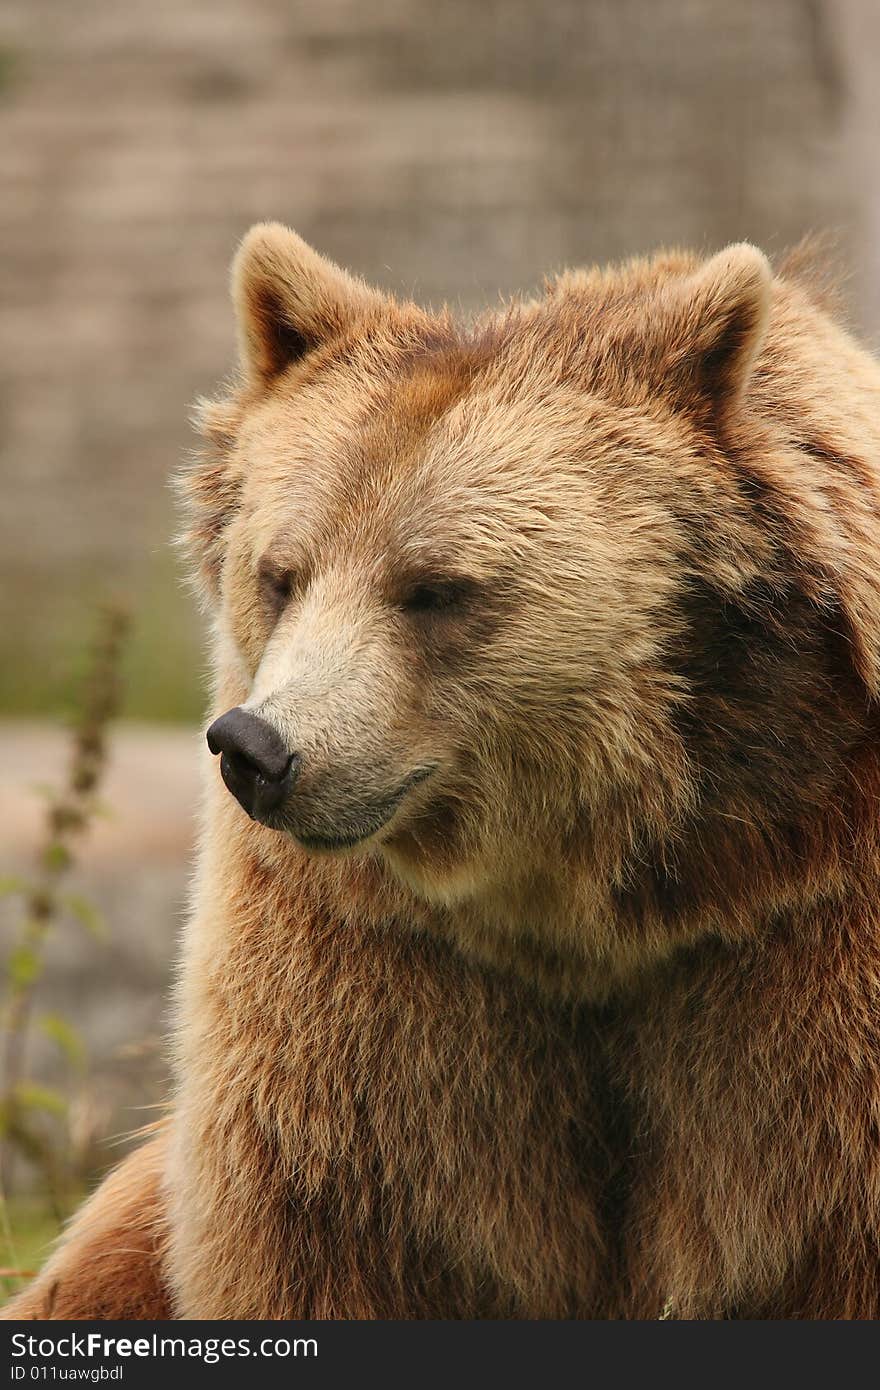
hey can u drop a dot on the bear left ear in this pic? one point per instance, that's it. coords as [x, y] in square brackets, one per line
[288, 300]
[710, 327]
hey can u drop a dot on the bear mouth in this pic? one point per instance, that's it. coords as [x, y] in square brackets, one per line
[367, 823]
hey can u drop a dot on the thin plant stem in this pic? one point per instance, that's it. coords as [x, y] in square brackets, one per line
[69, 813]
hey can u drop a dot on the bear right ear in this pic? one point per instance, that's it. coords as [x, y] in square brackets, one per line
[709, 328]
[288, 300]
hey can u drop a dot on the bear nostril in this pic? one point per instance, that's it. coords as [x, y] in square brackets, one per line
[243, 767]
[254, 761]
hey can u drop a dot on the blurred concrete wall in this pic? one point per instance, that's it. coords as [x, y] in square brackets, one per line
[451, 150]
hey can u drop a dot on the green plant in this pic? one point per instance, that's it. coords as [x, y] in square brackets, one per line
[26, 1106]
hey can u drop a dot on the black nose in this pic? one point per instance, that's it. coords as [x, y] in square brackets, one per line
[254, 763]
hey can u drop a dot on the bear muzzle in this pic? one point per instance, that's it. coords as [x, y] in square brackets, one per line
[264, 777]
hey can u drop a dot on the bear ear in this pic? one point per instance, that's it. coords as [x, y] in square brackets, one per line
[711, 325]
[288, 300]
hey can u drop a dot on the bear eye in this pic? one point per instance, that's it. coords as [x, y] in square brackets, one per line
[433, 596]
[277, 587]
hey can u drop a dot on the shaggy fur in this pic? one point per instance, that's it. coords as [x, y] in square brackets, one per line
[587, 1025]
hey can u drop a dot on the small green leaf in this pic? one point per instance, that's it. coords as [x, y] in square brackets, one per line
[86, 914]
[56, 856]
[30, 1097]
[65, 1037]
[11, 884]
[23, 966]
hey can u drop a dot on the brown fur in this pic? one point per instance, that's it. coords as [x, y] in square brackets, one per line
[589, 1026]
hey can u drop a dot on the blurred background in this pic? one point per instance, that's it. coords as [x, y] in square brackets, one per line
[452, 152]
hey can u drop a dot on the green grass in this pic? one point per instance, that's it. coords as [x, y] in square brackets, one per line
[27, 1229]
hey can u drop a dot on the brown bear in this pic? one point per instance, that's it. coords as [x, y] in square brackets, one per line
[534, 967]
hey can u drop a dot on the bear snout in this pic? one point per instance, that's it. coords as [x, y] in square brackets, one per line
[254, 763]
[329, 809]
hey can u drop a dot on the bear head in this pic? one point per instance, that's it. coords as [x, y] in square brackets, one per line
[556, 618]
